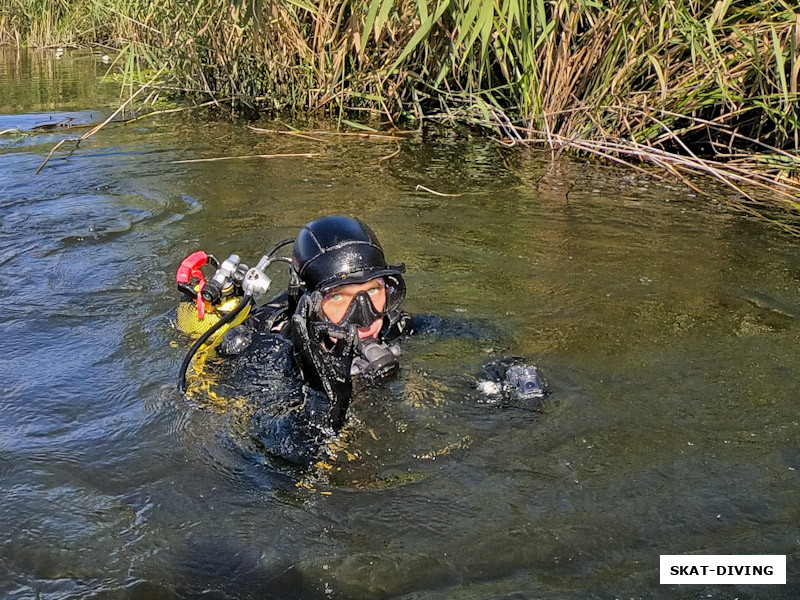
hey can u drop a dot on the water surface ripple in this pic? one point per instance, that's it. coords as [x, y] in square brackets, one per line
[667, 329]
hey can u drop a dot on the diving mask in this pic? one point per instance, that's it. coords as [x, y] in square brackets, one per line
[361, 312]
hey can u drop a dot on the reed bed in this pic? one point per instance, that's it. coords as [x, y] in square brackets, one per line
[692, 86]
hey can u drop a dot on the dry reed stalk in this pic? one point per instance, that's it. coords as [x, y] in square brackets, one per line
[218, 158]
[97, 128]
[434, 192]
[168, 111]
[371, 136]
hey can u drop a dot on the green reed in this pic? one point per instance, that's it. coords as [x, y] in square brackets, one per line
[572, 68]
[717, 78]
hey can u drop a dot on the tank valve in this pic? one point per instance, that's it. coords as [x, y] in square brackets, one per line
[222, 279]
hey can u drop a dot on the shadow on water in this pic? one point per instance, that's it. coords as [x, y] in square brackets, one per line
[667, 329]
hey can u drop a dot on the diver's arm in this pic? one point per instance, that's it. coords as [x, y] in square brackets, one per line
[290, 419]
[312, 408]
[295, 430]
[435, 325]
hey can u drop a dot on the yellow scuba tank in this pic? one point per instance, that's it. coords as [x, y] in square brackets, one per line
[189, 322]
[212, 308]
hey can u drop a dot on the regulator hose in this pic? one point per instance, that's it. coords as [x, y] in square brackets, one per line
[279, 245]
[246, 299]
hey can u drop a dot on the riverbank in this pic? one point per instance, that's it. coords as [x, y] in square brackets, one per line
[703, 89]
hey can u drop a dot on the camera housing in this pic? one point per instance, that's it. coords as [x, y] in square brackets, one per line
[523, 382]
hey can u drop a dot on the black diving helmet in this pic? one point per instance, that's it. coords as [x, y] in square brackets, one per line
[336, 251]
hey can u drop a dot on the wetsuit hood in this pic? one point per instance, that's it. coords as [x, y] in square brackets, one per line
[334, 251]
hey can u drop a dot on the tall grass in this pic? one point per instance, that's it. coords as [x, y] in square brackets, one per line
[51, 23]
[687, 77]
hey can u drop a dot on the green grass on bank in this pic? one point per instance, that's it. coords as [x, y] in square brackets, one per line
[625, 79]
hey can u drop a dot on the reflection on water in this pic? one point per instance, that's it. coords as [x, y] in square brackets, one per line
[38, 81]
[667, 330]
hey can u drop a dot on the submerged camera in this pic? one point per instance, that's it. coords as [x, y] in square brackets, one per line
[523, 382]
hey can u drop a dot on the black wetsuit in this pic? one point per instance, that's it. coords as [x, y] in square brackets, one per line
[292, 417]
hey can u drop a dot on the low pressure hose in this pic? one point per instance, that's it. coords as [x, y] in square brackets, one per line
[246, 300]
[278, 246]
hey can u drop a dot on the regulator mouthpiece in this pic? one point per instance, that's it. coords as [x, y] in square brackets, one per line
[376, 359]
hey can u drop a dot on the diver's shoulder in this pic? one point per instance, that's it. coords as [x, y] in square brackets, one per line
[265, 328]
[269, 313]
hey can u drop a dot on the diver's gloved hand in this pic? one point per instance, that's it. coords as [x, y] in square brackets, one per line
[324, 352]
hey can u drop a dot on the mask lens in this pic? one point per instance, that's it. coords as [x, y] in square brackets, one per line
[395, 293]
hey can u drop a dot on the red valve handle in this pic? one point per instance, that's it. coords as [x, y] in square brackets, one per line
[201, 305]
[191, 268]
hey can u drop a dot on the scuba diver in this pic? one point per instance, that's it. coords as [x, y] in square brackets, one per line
[296, 357]
[341, 317]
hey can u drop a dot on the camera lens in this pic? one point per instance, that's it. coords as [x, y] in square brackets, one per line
[529, 386]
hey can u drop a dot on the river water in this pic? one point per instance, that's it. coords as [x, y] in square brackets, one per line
[667, 328]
